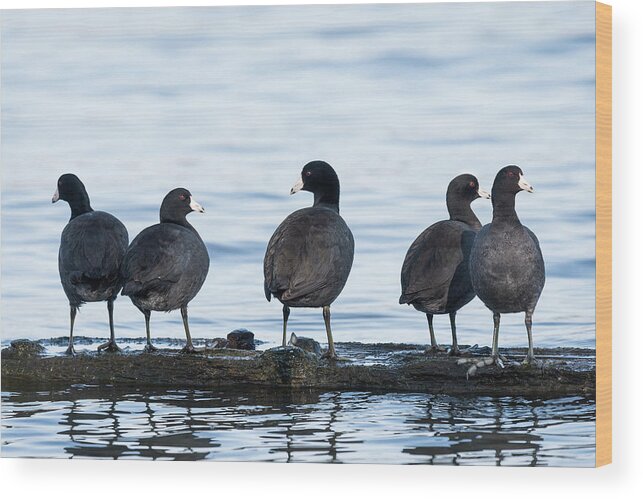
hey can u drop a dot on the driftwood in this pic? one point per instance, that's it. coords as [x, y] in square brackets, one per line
[379, 367]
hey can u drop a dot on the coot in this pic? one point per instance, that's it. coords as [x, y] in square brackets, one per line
[435, 273]
[310, 255]
[167, 263]
[91, 251]
[507, 268]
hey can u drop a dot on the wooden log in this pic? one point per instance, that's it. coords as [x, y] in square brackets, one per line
[381, 367]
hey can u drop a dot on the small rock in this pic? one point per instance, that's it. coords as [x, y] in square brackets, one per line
[306, 344]
[241, 339]
[23, 348]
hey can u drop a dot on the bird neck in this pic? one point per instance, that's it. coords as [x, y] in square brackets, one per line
[79, 204]
[504, 208]
[461, 212]
[328, 197]
[171, 217]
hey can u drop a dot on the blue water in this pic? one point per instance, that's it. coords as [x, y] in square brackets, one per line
[231, 102]
[297, 426]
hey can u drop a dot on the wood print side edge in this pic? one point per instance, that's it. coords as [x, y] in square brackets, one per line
[603, 234]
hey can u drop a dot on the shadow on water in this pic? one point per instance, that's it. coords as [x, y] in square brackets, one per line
[297, 426]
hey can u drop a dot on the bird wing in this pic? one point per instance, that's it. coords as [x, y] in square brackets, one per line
[431, 262]
[307, 253]
[534, 239]
[155, 260]
[540, 260]
[92, 247]
[280, 256]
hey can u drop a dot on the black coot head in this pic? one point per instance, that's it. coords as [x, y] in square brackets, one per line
[70, 189]
[177, 204]
[466, 188]
[510, 179]
[317, 177]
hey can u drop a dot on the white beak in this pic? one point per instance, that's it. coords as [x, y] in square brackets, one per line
[524, 185]
[55, 197]
[484, 194]
[196, 206]
[297, 187]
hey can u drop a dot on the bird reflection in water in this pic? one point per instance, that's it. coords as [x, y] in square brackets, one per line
[511, 431]
[251, 424]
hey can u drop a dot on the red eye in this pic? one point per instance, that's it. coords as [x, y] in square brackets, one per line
[182, 197]
[510, 174]
[471, 184]
[308, 174]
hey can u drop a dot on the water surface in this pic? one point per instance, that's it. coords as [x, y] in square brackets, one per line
[297, 426]
[231, 102]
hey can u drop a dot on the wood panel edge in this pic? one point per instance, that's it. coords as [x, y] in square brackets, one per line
[603, 234]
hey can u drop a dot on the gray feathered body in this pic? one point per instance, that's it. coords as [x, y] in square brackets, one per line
[507, 268]
[435, 274]
[165, 267]
[309, 258]
[92, 247]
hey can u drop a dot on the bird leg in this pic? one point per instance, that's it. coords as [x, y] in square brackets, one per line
[286, 313]
[149, 348]
[189, 347]
[72, 315]
[434, 348]
[454, 346]
[111, 345]
[330, 354]
[496, 334]
[531, 358]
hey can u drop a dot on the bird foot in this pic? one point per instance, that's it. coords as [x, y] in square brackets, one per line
[496, 360]
[330, 355]
[110, 346]
[532, 361]
[149, 348]
[70, 350]
[188, 349]
[454, 352]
